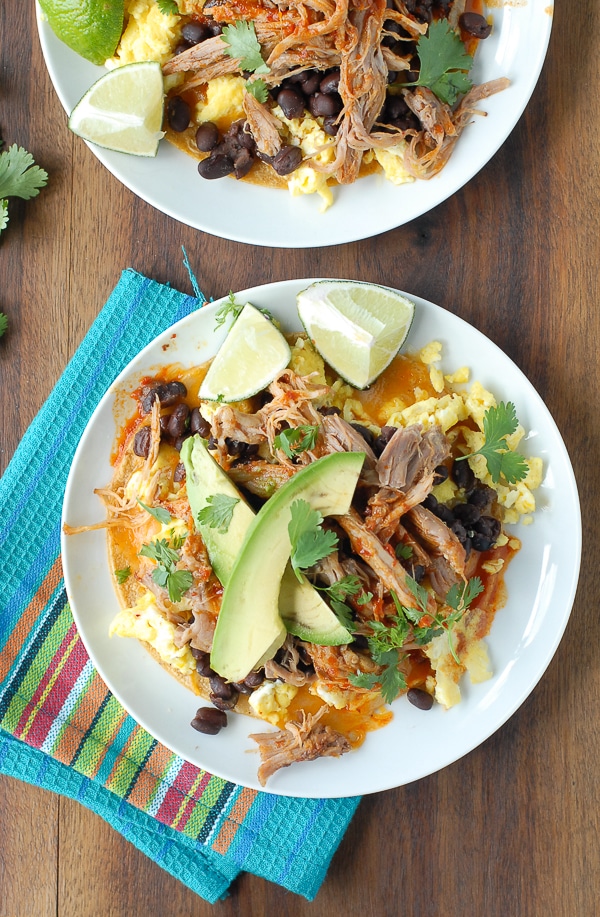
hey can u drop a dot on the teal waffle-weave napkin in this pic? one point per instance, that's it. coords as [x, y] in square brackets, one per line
[60, 728]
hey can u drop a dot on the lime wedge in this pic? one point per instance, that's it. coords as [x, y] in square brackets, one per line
[123, 110]
[252, 354]
[91, 28]
[357, 328]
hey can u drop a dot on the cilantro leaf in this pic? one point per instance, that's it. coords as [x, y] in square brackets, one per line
[343, 613]
[443, 62]
[218, 513]
[460, 596]
[19, 176]
[157, 512]
[419, 592]
[122, 575]
[403, 551]
[178, 582]
[229, 308]
[310, 542]
[3, 214]
[294, 441]
[498, 423]
[363, 680]
[3, 323]
[258, 88]
[168, 7]
[391, 681]
[160, 552]
[242, 43]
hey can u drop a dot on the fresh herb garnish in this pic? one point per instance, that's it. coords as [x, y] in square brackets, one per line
[157, 512]
[218, 512]
[458, 598]
[443, 62]
[338, 592]
[229, 308]
[498, 423]
[242, 43]
[294, 441]
[165, 574]
[3, 319]
[259, 89]
[19, 177]
[122, 575]
[403, 551]
[168, 7]
[310, 541]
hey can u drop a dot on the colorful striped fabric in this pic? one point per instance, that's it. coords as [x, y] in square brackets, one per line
[60, 727]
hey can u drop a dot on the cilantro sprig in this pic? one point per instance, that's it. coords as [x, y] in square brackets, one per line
[3, 319]
[295, 441]
[19, 177]
[166, 556]
[232, 309]
[242, 43]
[168, 7]
[122, 575]
[498, 423]
[337, 593]
[444, 63]
[218, 512]
[309, 540]
[157, 512]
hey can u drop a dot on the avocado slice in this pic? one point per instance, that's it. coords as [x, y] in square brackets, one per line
[249, 627]
[302, 609]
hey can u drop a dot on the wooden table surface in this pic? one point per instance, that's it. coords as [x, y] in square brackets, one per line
[512, 829]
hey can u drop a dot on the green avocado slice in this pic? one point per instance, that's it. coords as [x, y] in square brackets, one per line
[302, 609]
[249, 627]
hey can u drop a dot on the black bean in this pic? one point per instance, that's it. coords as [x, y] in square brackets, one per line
[383, 439]
[459, 530]
[481, 542]
[243, 688]
[481, 496]
[395, 107]
[418, 572]
[179, 440]
[488, 526]
[216, 166]
[254, 679]
[360, 642]
[209, 720]
[178, 114]
[225, 703]
[329, 409]
[474, 24]
[419, 698]
[366, 434]
[179, 473]
[141, 442]
[444, 513]
[215, 27]
[430, 502]
[392, 75]
[309, 80]
[324, 105]
[467, 514]
[462, 475]
[178, 420]
[220, 687]
[202, 663]
[331, 125]
[440, 474]
[287, 160]
[207, 137]
[330, 81]
[242, 163]
[198, 424]
[166, 392]
[291, 103]
[194, 32]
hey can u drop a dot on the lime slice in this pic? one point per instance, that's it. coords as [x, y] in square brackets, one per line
[91, 28]
[357, 328]
[123, 110]
[252, 354]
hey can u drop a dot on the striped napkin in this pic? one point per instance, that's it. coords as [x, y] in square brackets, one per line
[60, 727]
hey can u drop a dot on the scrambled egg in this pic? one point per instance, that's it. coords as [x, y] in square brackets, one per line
[272, 699]
[145, 622]
[148, 35]
[224, 99]
[308, 134]
[391, 161]
[475, 659]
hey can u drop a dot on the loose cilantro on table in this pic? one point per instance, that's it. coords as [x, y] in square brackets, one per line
[498, 423]
[166, 556]
[294, 441]
[157, 512]
[19, 177]
[242, 43]
[444, 63]
[309, 540]
[219, 512]
[3, 320]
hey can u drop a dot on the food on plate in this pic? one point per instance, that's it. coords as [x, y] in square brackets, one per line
[313, 552]
[306, 96]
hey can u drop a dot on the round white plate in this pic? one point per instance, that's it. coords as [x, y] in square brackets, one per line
[262, 216]
[541, 581]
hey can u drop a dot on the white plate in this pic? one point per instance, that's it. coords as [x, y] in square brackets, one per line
[261, 216]
[541, 582]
